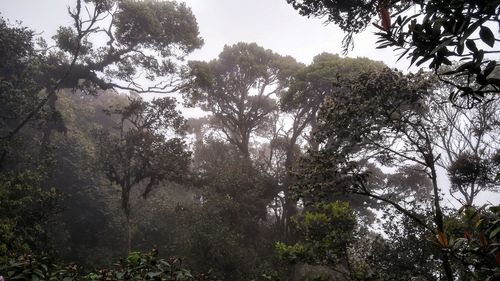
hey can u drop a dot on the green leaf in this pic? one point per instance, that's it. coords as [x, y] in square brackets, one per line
[479, 222]
[494, 232]
[487, 36]
[154, 274]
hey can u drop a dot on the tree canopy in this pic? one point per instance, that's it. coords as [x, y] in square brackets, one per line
[427, 31]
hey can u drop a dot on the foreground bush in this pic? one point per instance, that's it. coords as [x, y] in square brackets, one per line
[137, 266]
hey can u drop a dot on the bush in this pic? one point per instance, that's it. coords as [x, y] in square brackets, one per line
[137, 266]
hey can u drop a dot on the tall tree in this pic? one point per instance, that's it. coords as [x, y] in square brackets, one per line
[145, 149]
[312, 85]
[238, 89]
[391, 130]
[143, 39]
[308, 89]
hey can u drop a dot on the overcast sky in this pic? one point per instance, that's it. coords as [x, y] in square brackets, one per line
[273, 24]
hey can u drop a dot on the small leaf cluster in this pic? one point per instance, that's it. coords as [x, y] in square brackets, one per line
[447, 32]
[327, 232]
[474, 240]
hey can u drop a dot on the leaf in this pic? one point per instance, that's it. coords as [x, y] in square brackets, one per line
[442, 239]
[482, 240]
[469, 31]
[443, 44]
[489, 68]
[487, 36]
[495, 232]
[154, 274]
[424, 59]
[471, 45]
[460, 49]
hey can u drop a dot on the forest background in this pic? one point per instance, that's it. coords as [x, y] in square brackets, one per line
[330, 168]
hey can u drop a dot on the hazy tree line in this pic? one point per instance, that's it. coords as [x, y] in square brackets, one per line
[325, 171]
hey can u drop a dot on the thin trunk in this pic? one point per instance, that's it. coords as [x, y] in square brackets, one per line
[438, 216]
[53, 123]
[290, 204]
[48, 128]
[126, 211]
[129, 235]
[313, 144]
[245, 143]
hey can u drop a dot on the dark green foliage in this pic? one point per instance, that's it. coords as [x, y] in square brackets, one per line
[327, 230]
[312, 85]
[351, 16]
[90, 224]
[137, 266]
[446, 32]
[19, 68]
[77, 64]
[237, 88]
[427, 31]
[474, 238]
[139, 149]
[408, 250]
[384, 96]
[139, 29]
[228, 232]
[144, 148]
[26, 214]
[155, 24]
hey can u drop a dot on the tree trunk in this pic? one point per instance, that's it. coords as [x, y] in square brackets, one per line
[126, 211]
[129, 235]
[313, 144]
[48, 128]
[438, 216]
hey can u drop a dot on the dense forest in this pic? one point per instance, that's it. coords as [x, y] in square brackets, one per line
[340, 169]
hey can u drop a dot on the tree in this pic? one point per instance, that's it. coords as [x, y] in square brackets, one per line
[90, 224]
[434, 31]
[476, 242]
[237, 88]
[406, 252]
[309, 88]
[295, 122]
[26, 215]
[312, 85]
[19, 86]
[328, 231]
[228, 229]
[143, 37]
[468, 139]
[390, 131]
[145, 149]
